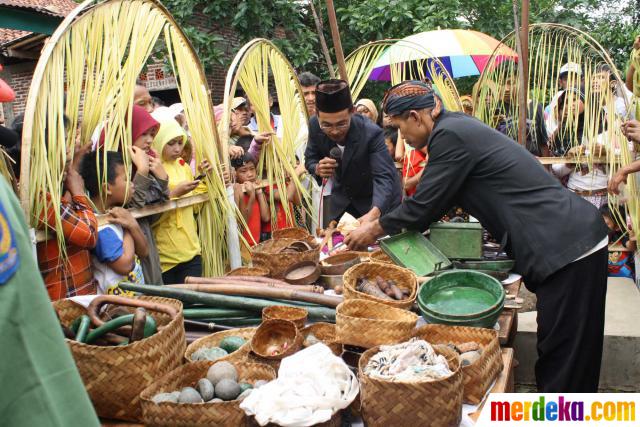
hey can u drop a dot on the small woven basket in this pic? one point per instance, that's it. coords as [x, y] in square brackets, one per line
[326, 333]
[114, 376]
[478, 376]
[214, 340]
[200, 414]
[404, 278]
[398, 403]
[276, 332]
[367, 324]
[249, 271]
[269, 255]
[297, 315]
[380, 256]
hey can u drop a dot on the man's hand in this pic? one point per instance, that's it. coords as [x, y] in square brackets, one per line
[363, 236]
[616, 180]
[631, 129]
[326, 167]
[235, 152]
[184, 188]
[370, 216]
[140, 159]
[122, 217]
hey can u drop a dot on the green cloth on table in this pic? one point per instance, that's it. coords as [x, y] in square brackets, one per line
[41, 385]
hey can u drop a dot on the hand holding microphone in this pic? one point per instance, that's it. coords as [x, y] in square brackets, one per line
[326, 168]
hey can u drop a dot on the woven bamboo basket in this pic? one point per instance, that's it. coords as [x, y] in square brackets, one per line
[380, 256]
[478, 376]
[276, 332]
[214, 339]
[114, 376]
[404, 278]
[207, 414]
[296, 233]
[395, 403]
[269, 255]
[250, 271]
[326, 333]
[367, 324]
[335, 421]
[296, 315]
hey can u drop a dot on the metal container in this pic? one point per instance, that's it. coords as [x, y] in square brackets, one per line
[457, 240]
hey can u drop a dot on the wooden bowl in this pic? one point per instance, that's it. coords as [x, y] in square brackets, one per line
[302, 273]
[297, 315]
[276, 335]
[338, 264]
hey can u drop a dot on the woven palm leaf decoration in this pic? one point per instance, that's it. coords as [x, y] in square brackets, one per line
[258, 66]
[550, 47]
[88, 69]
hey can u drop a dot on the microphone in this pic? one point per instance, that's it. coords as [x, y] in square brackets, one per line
[336, 154]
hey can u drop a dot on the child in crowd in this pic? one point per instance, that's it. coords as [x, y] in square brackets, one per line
[142, 97]
[620, 262]
[69, 276]
[390, 140]
[250, 200]
[121, 241]
[176, 232]
[151, 184]
[412, 169]
[294, 199]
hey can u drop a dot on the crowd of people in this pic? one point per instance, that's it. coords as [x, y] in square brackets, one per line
[164, 248]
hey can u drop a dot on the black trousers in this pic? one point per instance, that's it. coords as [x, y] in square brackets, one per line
[177, 274]
[571, 305]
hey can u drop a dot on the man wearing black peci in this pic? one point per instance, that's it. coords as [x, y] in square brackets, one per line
[347, 155]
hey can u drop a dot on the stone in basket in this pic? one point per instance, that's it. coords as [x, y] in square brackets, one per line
[479, 375]
[215, 340]
[367, 324]
[226, 413]
[434, 403]
[405, 280]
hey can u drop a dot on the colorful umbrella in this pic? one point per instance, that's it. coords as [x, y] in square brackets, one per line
[462, 52]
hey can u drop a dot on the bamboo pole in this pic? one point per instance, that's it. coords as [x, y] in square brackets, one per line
[522, 44]
[323, 41]
[337, 44]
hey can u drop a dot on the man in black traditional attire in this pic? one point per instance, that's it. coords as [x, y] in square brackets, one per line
[558, 240]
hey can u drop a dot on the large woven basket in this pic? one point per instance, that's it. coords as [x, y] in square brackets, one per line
[326, 333]
[395, 403]
[478, 376]
[404, 278]
[297, 315]
[296, 233]
[367, 324]
[207, 414]
[214, 339]
[334, 421]
[269, 255]
[114, 376]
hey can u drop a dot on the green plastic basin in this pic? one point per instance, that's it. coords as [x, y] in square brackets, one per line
[461, 296]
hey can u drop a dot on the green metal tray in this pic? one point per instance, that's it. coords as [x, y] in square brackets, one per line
[415, 252]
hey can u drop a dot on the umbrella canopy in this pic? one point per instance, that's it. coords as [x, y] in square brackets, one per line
[462, 52]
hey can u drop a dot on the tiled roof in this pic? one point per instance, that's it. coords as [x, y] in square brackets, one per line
[58, 8]
[51, 7]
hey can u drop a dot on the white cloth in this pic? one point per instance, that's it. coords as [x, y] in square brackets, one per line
[312, 385]
[602, 244]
